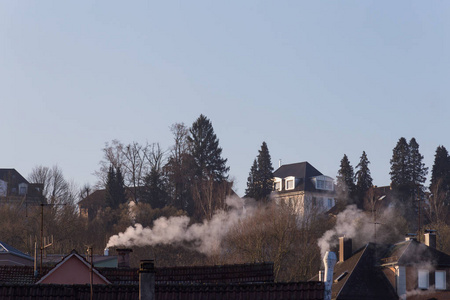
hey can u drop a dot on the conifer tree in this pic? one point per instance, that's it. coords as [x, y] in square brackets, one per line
[363, 179]
[205, 150]
[155, 189]
[115, 188]
[260, 181]
[418, 171]
[400, 170]
[252, 180]
[440, 174]
[345, 179]
[110, 184]
[121, 195]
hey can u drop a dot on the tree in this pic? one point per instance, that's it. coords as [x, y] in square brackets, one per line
[400, 170]
[418, 171]
[345, 180]
[206, 163]
[260, 180]
[440, 174]
[155, 189]
[363, 179]
[205, 150]
[115, 190]
[178, 169]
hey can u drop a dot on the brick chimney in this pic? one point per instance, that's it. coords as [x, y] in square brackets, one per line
[430, 238]
[123, 258]
[345, 248]
[147, 280]
[411, 237]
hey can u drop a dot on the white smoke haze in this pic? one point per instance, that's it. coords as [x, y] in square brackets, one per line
[205, 237]
[358, 225]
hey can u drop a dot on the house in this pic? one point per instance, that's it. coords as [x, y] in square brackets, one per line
[405, 270]
[303, 187]
[14, 188]
[10, 256]
[68, 281]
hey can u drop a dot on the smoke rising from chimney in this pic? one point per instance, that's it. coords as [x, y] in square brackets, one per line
[204, 237]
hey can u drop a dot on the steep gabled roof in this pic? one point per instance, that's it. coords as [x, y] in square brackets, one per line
[12, 175]
[5, 248]
[358, 277]
[60, 268]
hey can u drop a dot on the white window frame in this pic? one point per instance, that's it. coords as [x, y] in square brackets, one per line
[423, 279]
[440, 283]
[287, 180]
[280, 182]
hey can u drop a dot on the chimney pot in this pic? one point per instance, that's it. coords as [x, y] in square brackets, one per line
[345, 248]
[430, 238]
[123, 259]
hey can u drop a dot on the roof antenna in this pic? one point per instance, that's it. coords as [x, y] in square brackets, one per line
[279, 163]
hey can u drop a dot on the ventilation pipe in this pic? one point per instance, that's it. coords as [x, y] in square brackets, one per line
[147, 280]
[329, 261]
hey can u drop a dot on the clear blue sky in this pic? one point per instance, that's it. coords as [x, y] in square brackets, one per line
[314, 79]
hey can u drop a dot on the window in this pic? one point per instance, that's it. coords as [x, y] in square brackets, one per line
[277, 186]
[290, 183]
[324, 184]
[330, 202]
[423, 279]
[440, 280]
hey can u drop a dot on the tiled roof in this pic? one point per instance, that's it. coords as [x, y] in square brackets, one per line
[253, 291]
[412, 252]
[5, 248]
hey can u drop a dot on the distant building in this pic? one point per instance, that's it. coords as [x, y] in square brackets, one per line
[10, 256]
[303, 187]
[14, 188]
[405, 270]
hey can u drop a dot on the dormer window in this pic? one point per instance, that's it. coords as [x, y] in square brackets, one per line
[324, 183]
[290, 183]
[277, 184]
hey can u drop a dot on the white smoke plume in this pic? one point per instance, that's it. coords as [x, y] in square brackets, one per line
[346, 225]
[205, 237]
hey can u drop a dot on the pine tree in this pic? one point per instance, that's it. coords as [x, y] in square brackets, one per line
[440, 174]
[155, 189]
[400, 170]
[363, 179]
[252, 181]
[345, 179]
[115, 189]
[110, 184]
[205, 150]
[418, 171]
[260, 180]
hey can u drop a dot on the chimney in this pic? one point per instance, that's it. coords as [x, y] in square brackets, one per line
[123, 259]
[147, 280]
[106, 252]
[345, 248]
[430, 238]
[329, 261]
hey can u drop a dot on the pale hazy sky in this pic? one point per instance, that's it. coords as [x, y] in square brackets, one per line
[314, 79]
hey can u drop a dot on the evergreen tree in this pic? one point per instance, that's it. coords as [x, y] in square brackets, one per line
[155, 189]
[418, 171]
[345, 180]
[252, 180]
[260, 181]
[440, 174]
[205, 150]
[115, 189]
[363, 179]
[110, 184]
[401, 170]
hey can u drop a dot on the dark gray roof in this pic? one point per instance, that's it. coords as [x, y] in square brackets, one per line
[5, 248]
[303, 172]
[11, 175]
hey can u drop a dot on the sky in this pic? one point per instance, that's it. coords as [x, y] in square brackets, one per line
[313, 79]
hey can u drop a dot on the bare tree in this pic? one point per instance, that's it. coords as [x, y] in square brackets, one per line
[436, 208]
